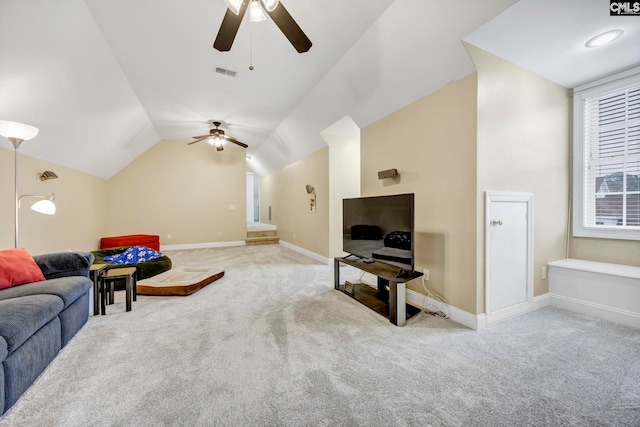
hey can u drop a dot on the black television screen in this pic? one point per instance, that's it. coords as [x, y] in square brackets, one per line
[380, 228]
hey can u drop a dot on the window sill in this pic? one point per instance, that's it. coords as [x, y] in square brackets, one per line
[604, 233]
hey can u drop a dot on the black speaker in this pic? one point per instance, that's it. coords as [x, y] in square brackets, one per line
[389, 173]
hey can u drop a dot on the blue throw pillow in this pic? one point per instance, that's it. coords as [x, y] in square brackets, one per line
[133, 255]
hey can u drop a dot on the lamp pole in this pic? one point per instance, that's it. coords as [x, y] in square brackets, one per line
[16, 133]
[16, 144]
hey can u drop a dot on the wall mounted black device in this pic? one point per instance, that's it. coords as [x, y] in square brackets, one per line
[389, 173]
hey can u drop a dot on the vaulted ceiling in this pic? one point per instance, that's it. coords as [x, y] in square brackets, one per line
[104, 80]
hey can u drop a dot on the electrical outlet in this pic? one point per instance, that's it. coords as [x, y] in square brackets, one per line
[544, 273]
[425, 271]
[169, 236]
[294, 235]
[219, 233]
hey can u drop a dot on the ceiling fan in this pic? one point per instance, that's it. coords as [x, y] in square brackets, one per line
[274, 8]
[217, 138]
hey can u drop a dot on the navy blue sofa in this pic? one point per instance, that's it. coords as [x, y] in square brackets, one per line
[38, 319]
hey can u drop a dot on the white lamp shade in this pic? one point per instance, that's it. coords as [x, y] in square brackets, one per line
[270, 4]
[234, 5]
[45, 206]
[17, 130]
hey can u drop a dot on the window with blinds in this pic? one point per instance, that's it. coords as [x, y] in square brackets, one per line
[608, 168]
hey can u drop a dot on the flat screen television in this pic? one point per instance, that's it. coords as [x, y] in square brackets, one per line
[380, 229]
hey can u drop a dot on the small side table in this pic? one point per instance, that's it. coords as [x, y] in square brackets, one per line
[107, 279]
[95, 272]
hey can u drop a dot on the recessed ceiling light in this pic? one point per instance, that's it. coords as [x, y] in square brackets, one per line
[604, 38]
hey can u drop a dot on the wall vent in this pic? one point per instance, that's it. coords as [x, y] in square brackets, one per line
[225, 72]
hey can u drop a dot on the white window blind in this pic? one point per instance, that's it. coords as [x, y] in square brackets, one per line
[609, 167]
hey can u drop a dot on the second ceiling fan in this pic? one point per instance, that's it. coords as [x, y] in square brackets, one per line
[236, 10]
[217, 138]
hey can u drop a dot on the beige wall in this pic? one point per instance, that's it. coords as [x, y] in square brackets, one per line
[185, 191]
[625, 252]
[344, 182]
[432, 143]
[80, 206]
[523, 134]
[284, 191]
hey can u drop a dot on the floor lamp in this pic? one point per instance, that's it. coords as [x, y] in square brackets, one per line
[16, 133]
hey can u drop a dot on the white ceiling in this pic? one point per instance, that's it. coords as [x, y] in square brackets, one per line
[104, 80]
[548, 37]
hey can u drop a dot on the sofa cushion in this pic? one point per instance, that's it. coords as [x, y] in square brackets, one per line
[2, 393]
[63, 264]
[73, 318]
[24, 316]
[4, 349]
[68, 288]
[17, 267]
[22, 367]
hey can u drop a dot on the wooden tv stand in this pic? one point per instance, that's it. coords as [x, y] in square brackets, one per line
[392, 304]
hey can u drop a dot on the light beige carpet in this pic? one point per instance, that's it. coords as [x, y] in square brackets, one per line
[273, 344]
[182, 280]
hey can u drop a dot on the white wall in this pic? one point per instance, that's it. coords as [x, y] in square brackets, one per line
[250, 196]
[344, 182]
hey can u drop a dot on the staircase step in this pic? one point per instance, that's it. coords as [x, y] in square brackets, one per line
[262, 233]
[262, 240]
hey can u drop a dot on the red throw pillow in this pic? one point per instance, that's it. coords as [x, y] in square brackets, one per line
[17, 267]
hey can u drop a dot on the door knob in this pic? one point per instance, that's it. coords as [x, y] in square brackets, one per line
[495, 222]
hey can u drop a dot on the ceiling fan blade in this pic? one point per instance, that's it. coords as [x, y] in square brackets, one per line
[290, 28]
[235, 141]
[229, 29]
[201, 137]
[197, 140]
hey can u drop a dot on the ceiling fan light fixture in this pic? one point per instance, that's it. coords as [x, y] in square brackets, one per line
[234, 5]
[256, 12]
[270, 4]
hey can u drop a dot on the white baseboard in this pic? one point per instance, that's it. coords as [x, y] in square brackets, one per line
[459, 316]
[473, 321]
[306, 252]
[611, 314]
[201, 245]
[516, 310]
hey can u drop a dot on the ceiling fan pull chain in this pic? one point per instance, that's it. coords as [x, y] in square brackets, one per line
[251, 49]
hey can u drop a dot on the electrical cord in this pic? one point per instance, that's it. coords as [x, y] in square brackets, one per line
[434, 296]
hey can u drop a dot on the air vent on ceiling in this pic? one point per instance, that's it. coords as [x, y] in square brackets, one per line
[226, 73]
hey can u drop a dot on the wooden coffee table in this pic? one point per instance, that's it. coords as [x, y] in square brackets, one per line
[95, 272]
[108, 279]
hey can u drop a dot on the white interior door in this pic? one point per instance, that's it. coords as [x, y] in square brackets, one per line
[509, 248]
